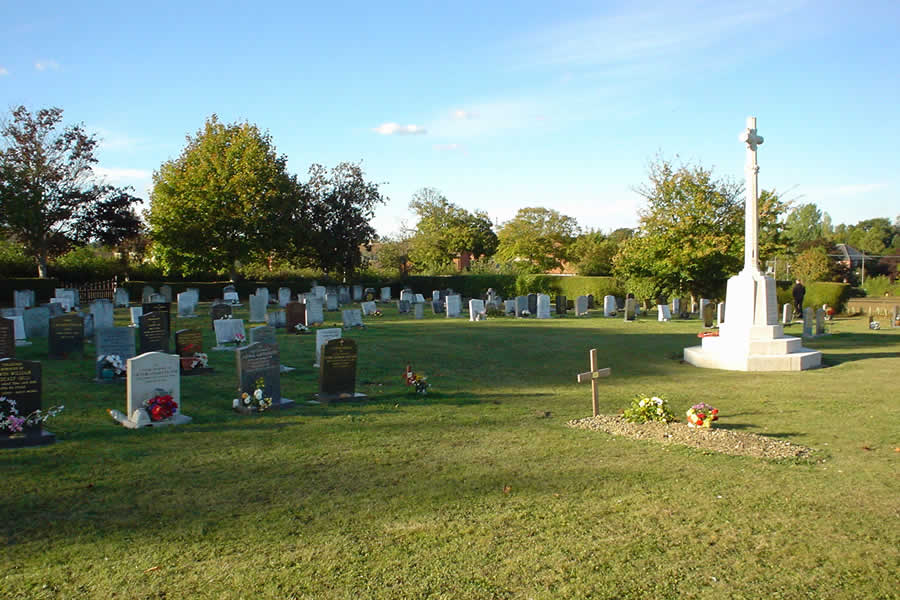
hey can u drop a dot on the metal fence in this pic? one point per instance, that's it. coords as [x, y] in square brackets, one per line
[94, 290]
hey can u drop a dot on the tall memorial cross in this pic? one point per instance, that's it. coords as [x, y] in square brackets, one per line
[751, 208]
[593, 376]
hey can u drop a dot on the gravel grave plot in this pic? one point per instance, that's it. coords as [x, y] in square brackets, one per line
[725, 441]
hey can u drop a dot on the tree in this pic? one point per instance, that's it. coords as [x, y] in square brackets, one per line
[445, 230]
[48, 199]
[593, 253]
[541, 236]
[393, 256]
[813, 264]
[225, 199]
[804, 224]
[690, 236]
[337, 209]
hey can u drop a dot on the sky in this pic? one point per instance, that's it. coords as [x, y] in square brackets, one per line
[498, 105]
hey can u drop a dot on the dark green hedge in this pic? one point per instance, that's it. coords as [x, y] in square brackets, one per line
[826, 292]
[44, 289]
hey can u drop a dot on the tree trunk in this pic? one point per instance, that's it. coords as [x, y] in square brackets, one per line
[42, 264]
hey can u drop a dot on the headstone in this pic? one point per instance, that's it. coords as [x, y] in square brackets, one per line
[156, 298]
[284, 296]
[7, 338]
[261, 361]
[808, 318]
[146, 292]
[189, 344]
[231, 298]
[23, 298]
[323, 336]
[435, 295]
[521, 306]
[337, 373]
[55, 308]
[37, 321]
[19, 328]
[344, 295]
[676, 307]
[476, 310]
[454, 306]
[663, 313]
[402, 306]
[20, 381]
[357, 292]
[9, 313]
[703, 303]
[163, 307]
[820, 321]
[630, 309]
[709, 314]
[581, 306]
[509, 307]
[277, 318]
[136, 312]
[88, 325]
[331, 302]
[258, 305]
[229, 289]
[263, 293]
[562, 306]
[385, 294]
[369, 294]
[543, 306]
[263, 334]
[368, 308]
[152, 375]
[418, 311]
[219, 311]
[408, 295]
[609, 305]
[720, 313]
[418, 299]
[319, 291]
[166, 292]
[63, 301]
[103, 313]
[153, 330]
[787, 314]
[437, 307]
[187, 304]
[352, 317]
[113, 341]
[66, 338]
[294, 314]
[590, 301]
[315, 315]
[229, 334]
[532, 304]
[121, 298]
[68, 294]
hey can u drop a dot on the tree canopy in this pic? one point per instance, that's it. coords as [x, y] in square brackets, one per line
[538, 235]
[49, 200]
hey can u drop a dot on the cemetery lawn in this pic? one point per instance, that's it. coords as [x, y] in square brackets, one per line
[477, 490]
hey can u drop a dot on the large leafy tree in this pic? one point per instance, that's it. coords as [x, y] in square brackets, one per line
[49, 199]
[804, 224]
[593, 252]
[444, 230]
[336, 210]
[541, 236]
[690, 236]
[226, 199]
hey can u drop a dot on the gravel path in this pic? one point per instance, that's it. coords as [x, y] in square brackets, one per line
[718, 440]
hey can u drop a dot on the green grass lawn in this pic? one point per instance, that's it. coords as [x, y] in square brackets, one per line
[472, 491]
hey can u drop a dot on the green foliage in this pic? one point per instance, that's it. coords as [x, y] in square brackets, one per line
[13, 261]
[646, 409]
[225, 199]
[826, 292]
[540, 236]
[592, 253]
[872, 236]
[392, 257]
[571, 287]
[48, 200]
[44, 287]
[445, 230]
[804, 224]
[85, 264]
[880, 285]
[813, 264]
[690, 234]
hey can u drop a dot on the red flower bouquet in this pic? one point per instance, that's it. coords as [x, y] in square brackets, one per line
[160, 407]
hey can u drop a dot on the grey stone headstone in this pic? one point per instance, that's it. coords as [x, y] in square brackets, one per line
[476, 309]
[19, 329]
[337, 371]
[521, 305]
[231, 298]
[226, 330]
[454, 306]
[146, 292]
[352, 317]
[9, 313]
[385, 294]
[663, 313]
[156, 298]
[55, 308]
[407, 295]
[709, 314]
[435, 295]
[543, 306]
[418, 299]
[284, 296]
[121, 298]
[323, 336]
[152, 374]
[277, 318]
[357, 293]
[166, 292]
[263, 334]
[720, 313]
[676, 307]
[331, 302]
[103, 313]
[37, 321]
[115, 340]
[88, 325]
[402, 306]
[581, 306]
[368, 308]
[136, 312]
[229, 289]
[808, 318]
[66, 337]
[261, 361]
[418, 311]
[263, 293]
[630, 309]
[258, 306]
[23, 298]
[314, 311]
[343, 295]
[787, 314]
[509, 307]
[186, 304]
[820, 321]
[154, 332]
[609, 305]
[319, 291]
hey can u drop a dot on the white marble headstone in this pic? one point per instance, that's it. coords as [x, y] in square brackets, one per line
[663, 312]
[227, 329]
[543, 306]
[476, 309]
[323, 336]
[609, 305]
[454, 305]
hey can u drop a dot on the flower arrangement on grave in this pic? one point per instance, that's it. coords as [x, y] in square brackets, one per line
[525, 313]
[160, 407]
[829, 313]
[114, 363]
[702, 415]
[256, 400]
[644, 409]
[377, 313]
[874, 325]
[238, 339]
[710, 333]
[418, 381]
[12, 422]
[301, 328]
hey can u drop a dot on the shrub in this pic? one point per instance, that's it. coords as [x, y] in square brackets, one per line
[825, 292]
[85, 264]
[881, 285]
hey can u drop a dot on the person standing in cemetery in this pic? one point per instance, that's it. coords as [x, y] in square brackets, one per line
[798, 292]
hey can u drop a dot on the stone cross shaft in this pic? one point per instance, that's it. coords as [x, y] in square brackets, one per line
[593, 376]
[751, 210]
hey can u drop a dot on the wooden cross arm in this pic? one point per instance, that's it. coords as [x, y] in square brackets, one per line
[583, 377]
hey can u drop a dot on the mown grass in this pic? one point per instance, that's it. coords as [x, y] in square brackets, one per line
[472, 491]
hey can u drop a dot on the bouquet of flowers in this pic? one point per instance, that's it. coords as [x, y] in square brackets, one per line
[201, 360]
[702, 415]
[160, 407]
[419, 381]
[113, 362]
[301, 328]
[12, 422]
[238, 338]
[644, 409]
[255, 400]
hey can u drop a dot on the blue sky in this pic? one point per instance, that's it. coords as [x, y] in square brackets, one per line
[498, 105]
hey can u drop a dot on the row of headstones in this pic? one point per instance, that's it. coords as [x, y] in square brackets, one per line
[35, 321]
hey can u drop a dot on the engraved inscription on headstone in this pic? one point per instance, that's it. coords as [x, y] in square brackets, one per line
[20, 380]
[66, 338]
[260, 361]
[154, 332]
[7, 338]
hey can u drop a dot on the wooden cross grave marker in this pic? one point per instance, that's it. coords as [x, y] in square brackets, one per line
[593, 376]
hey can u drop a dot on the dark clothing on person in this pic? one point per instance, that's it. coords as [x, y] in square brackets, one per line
[798, 292]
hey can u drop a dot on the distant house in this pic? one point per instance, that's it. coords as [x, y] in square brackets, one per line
[850, 256]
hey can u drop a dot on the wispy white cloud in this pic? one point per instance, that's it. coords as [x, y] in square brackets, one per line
[3, 71]
[463, 115]
[139, 179]
[116, 141]
[397, 129]
[46, 65]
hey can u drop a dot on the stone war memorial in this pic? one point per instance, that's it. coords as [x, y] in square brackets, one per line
[751, 339]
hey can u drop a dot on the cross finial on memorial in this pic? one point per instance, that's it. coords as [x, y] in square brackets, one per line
[749, 135]
[593, 376]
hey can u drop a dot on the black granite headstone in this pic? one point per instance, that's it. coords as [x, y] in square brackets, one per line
[261, 361]
[20, 380]
[154, 332]
[337, 371]
[165, 307]
[561, 305]
[66, 339]
[115, 341]
[294, 314]
[532, 304]
[218, 311]
[709, 314]
[7, 338]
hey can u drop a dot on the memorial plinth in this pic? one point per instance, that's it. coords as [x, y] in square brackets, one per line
[751, 339]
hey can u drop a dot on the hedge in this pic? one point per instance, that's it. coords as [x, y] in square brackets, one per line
[826, 292]
[44, 289]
